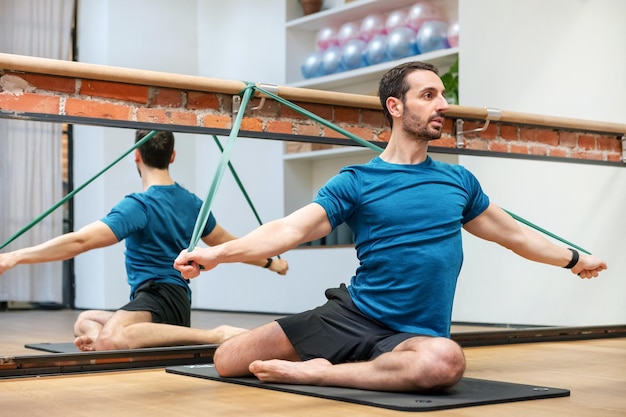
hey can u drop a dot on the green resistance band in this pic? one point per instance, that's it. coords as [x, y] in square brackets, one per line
[318, 119]
[203, 216]
[240, 184]
[71, 194]
[379, 150]
[544, 231]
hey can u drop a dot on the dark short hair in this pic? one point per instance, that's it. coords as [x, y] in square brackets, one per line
[393, 83]
[157, 151]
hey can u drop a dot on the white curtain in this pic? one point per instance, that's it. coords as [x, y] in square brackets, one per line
[30, 152]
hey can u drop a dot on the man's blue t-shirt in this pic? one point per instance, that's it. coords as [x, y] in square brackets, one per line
[156, 224]
[407, 222]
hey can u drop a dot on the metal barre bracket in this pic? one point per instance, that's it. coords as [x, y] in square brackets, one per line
[492, 114]
[272, 88]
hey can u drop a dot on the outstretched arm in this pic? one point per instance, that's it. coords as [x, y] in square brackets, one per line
[275, 237]
[495, 225]
[92, 236]
[220, 235]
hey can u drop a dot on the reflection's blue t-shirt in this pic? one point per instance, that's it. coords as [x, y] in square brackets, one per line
[156, 224]
[407, 222]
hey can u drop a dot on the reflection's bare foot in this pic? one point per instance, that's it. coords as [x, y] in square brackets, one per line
[275, 370]
[224, 332]
[84, 343]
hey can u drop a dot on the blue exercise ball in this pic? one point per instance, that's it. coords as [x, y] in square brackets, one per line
[433, 35]
[376, 50]
[352, 54]
[331, 60]
[401, 43]
[312, 66]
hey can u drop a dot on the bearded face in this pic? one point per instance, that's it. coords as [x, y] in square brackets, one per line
[419, 128]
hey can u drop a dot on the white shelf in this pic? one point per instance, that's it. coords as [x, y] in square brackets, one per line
[347, 12]
[301, 34]
[443, 59]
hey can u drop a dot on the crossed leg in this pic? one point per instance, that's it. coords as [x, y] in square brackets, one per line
[102, 330]
[88, 326]
[417, 363]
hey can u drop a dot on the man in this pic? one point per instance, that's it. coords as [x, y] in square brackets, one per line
[389, 329]
[156, 224]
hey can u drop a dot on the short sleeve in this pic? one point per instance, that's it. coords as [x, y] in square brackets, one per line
[128, 216]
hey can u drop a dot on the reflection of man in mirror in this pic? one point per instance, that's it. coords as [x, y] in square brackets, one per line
[389, 328]
[156, 225]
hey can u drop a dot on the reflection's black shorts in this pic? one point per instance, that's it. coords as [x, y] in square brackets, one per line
[339, 332]
[168, 303]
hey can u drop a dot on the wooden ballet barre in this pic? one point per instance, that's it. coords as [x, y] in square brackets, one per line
[117, 74]
[205, 84]
[519, 118]
[170, 80]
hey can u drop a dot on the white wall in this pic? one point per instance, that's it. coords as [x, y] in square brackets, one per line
[553, 57]
[580, 203]
[562, 58]
[242, 40]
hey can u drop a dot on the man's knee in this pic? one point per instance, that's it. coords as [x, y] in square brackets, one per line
[438, 363]
[448, 362]
[222, 360]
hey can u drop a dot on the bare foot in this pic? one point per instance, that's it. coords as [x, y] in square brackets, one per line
[84, 343]
[224, 332]
[307, 372]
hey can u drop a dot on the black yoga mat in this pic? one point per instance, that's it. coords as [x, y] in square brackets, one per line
[468, 392]
[54, 347]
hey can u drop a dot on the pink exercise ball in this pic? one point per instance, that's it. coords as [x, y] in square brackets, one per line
[453, 34]
[326, 36]
[395, 19]
[347, 32]
[423, 11]
[372, 25]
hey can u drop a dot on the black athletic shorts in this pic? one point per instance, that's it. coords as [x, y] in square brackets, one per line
[168, 303]
[339, 332]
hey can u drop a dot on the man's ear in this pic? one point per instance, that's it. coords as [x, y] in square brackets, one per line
[173, 156]
[394, 106]
[137, 156]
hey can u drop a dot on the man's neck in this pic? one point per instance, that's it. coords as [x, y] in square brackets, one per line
[152, 176]
[405, 151]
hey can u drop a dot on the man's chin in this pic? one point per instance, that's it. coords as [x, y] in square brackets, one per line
[433, 135]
